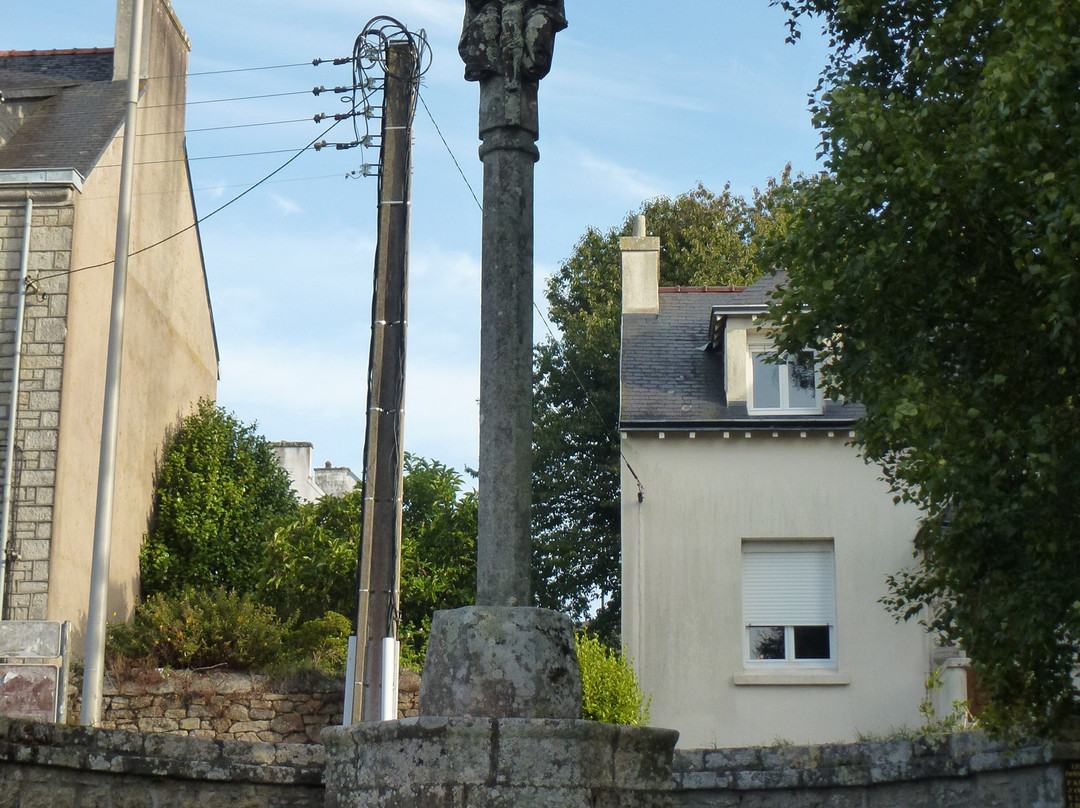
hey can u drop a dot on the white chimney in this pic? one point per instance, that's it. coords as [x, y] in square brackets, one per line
[640, 271]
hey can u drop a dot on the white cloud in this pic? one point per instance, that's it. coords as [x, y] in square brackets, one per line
[614, 179]
[286, 206]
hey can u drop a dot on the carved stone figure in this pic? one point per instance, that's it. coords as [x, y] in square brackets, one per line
[510, 38]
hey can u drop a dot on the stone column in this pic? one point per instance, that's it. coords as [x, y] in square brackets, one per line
[507, 46]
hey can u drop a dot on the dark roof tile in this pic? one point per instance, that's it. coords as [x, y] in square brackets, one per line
[669, 378]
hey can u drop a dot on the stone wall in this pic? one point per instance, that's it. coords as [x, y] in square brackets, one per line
[47, 765]
[964, 769]
[227, 706]
[40, 378]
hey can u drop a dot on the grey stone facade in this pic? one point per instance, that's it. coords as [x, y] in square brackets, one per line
[41, 375]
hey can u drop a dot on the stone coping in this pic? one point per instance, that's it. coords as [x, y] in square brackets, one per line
[478, 751]
[123, 752]
[860, 764]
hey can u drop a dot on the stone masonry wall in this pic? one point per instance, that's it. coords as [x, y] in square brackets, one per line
[227, 706]
[37, 433]
[48, 765]
[966, 769]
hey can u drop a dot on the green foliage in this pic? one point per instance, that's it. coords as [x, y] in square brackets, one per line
[321, 644]
[309, 564]
[609, 689]
[935, 269]
[706, 239]
[218, 491]
[438, 550]
[195, 628]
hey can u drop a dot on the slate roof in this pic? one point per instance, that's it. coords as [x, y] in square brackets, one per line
[61, 109]
[671, 379]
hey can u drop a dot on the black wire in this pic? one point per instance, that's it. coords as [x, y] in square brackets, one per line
[201, 219]
[229, 126]
[450, 152]
[221, 100]
[589, 401]
[209, 157]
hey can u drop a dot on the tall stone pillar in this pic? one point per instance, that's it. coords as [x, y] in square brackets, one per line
[502, 658]
[500, 695]
[507, 47]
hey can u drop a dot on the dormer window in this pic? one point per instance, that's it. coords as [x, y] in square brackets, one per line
[788, 385]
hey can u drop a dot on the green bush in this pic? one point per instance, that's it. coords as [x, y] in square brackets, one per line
[609, 689]
[320, 645]
[218, 494]
[198, 629]
[309, 564]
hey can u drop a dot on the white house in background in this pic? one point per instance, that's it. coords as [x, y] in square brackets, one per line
[311, 484]
[755, 541]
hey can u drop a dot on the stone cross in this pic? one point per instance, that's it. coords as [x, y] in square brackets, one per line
[507, 46]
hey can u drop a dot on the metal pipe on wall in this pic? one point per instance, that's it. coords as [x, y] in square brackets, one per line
[13, 405]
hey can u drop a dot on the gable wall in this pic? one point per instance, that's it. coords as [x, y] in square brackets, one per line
[169, 358]
[682, 596]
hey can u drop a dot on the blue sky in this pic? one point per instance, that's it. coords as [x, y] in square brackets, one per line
[638, 104]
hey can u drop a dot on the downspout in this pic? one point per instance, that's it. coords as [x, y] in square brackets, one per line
[13, 405]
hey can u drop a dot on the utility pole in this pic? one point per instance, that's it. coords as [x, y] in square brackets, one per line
[94, 673]
[374, 675]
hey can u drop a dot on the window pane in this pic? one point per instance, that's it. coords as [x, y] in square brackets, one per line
[766, 383]
[811, 642]
[767, 642]
[802, 393]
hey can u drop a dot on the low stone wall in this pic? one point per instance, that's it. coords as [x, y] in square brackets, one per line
[965, 769]
[48, 765]
[227, 706]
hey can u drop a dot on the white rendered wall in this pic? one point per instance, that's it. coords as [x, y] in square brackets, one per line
[682, 596]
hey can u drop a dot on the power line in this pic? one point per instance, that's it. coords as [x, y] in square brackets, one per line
[450, 151]
[201, 219]
[222, 100]
[228, 126]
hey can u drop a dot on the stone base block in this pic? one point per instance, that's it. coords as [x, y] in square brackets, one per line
[501, 662]
[496, 763]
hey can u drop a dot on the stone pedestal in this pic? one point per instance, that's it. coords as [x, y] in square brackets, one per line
[501, 662]
[497, 763]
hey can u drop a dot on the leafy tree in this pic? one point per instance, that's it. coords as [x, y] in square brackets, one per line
[935, 270]
[218, 491]
[438, 550]
[705, 239]
[309, 567]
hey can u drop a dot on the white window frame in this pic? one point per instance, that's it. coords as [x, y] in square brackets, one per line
[821, 602]
[759, 345]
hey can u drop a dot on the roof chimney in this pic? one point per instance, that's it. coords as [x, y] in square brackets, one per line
[640, 271]
[122, 46]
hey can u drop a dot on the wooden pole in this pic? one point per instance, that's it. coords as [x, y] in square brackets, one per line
[379, 572]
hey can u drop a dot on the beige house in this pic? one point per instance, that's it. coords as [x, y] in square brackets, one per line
[61, 130]
[755, 541]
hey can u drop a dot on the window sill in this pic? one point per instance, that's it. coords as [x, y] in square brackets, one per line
[809, 678]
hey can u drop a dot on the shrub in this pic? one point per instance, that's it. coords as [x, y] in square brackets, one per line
[218, 492]
[319, 645]
[199, 628]
[309, 565]
[609, 689]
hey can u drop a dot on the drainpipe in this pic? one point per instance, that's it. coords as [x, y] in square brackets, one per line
[13, 406]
